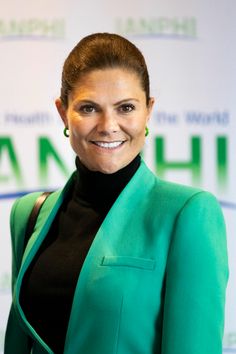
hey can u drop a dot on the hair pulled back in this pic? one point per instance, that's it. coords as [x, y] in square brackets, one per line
[102, 51]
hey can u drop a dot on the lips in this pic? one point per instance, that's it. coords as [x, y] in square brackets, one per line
[108, 144]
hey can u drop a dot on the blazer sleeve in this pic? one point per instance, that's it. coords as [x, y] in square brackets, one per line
[15, 337]
[196, 279]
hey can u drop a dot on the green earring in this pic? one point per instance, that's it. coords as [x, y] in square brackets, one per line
[66, 132]
[146, 131]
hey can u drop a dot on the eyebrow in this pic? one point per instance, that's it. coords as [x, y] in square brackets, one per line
[97, 104]
[125, 100]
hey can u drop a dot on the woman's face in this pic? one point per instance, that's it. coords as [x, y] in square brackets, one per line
[106, 117]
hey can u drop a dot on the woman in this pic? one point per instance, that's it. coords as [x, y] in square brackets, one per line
[119, 261]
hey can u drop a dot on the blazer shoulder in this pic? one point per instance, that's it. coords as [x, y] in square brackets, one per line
[174, 191]
[165, 189]
[22, 206]
[20, 211]
[174, 196]
[19, 216]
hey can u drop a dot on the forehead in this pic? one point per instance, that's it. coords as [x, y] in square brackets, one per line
[115, 81]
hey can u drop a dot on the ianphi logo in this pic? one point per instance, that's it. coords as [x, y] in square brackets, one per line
[163, 27]
[32, 28]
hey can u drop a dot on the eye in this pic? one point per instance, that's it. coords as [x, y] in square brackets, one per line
[87, 108]
[126, 108]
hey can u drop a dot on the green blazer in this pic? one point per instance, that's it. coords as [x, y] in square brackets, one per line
[153, 281]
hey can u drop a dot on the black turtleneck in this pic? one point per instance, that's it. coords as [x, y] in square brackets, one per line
[49, 284]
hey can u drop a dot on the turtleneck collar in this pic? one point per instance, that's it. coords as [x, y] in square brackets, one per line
[99, 190]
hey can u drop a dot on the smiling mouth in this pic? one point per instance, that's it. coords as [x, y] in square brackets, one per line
[108, 145]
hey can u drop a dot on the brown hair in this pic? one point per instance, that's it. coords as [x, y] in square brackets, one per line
[102, 51]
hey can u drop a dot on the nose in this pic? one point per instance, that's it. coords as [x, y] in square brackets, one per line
[107, 123]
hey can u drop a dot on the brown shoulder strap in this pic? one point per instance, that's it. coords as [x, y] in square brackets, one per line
[33, 216]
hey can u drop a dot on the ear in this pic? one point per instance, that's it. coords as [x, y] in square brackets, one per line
[62, 111]
[150, 107]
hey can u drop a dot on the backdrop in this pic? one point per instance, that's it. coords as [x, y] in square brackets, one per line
[190, 49]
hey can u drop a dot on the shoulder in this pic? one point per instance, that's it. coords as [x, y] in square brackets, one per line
[182, 196]
[163, 191]
[173, 198]
[23, 205]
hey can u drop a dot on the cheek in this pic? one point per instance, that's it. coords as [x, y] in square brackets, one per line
[136, 126]
[76, 132]
[78, 127]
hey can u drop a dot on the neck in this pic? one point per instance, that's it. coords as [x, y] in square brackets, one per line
[100, 190]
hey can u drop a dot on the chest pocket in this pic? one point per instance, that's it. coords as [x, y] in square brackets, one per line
[127, 261]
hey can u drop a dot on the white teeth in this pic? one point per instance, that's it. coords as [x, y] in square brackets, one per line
[111, 145]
